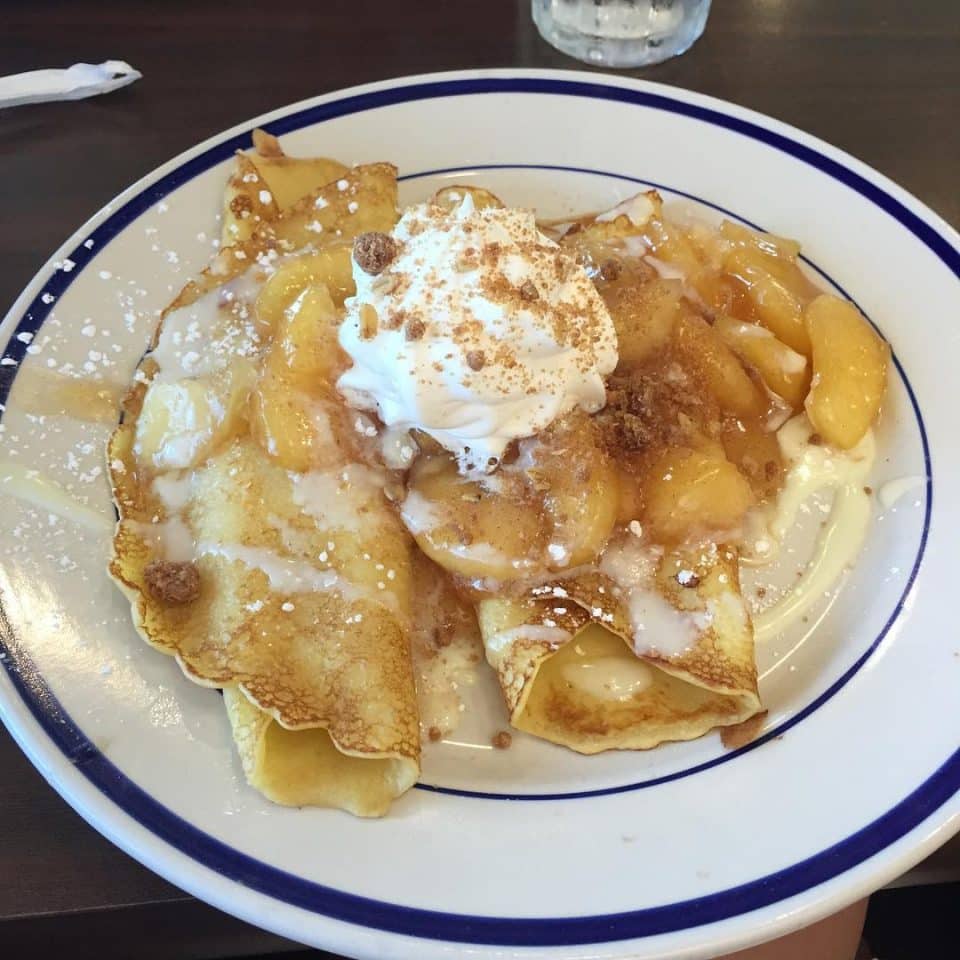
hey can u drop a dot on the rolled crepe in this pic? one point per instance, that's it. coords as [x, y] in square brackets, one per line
[267, 181]
[312, 654]
[657, 648]
[305, 767]
[290, 178]
[288, 588]
[363, 199]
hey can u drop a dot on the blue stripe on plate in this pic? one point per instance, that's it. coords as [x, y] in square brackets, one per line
[874, 837]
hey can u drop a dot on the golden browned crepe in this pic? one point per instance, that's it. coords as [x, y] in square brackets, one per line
[254, 541]
[322, 223]
[267, 181]
[575, 668]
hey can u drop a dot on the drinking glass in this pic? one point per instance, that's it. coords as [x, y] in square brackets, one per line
[620, 33]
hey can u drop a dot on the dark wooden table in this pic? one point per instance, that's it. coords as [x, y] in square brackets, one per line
[880, 78]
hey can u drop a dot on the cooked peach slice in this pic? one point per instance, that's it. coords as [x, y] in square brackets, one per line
[670, 243]
[281, 425]
[767, 243]
[784, 371]
[467, 529]
[756, 453]
[292, 427]
[183, 421]
[330, 267]
[305, 352]
[643, 314]
[722, 293]
[703, 351]
[687, 493]
[777, 307]
[849, 371]
[579, 485]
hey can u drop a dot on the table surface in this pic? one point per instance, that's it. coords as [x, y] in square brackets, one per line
[879, 78]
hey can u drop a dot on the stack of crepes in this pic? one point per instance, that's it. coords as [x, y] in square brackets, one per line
[231, 462]
[257, 547]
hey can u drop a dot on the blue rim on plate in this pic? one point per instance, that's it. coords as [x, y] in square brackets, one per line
[912, 810]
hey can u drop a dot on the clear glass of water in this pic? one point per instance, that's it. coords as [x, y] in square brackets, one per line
[621, 33]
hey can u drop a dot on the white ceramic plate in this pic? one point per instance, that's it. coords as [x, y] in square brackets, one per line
[684, 851]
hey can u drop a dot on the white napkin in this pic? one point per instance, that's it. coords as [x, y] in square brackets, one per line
[76, 82]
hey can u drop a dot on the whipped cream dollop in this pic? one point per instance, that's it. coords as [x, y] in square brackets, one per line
[478, 331]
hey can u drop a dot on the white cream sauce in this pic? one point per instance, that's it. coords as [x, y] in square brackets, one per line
[195, 341]
[666, 271]
[814, 468]
[324, 437]
[790, 361]
[291, 575]
[441, 680]
[483, 553]
[171, 539]
[729, 611]
[173, 489]
[295, 539]
[341, 499]
[419, 514]
[659, 628]
[446, 649]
